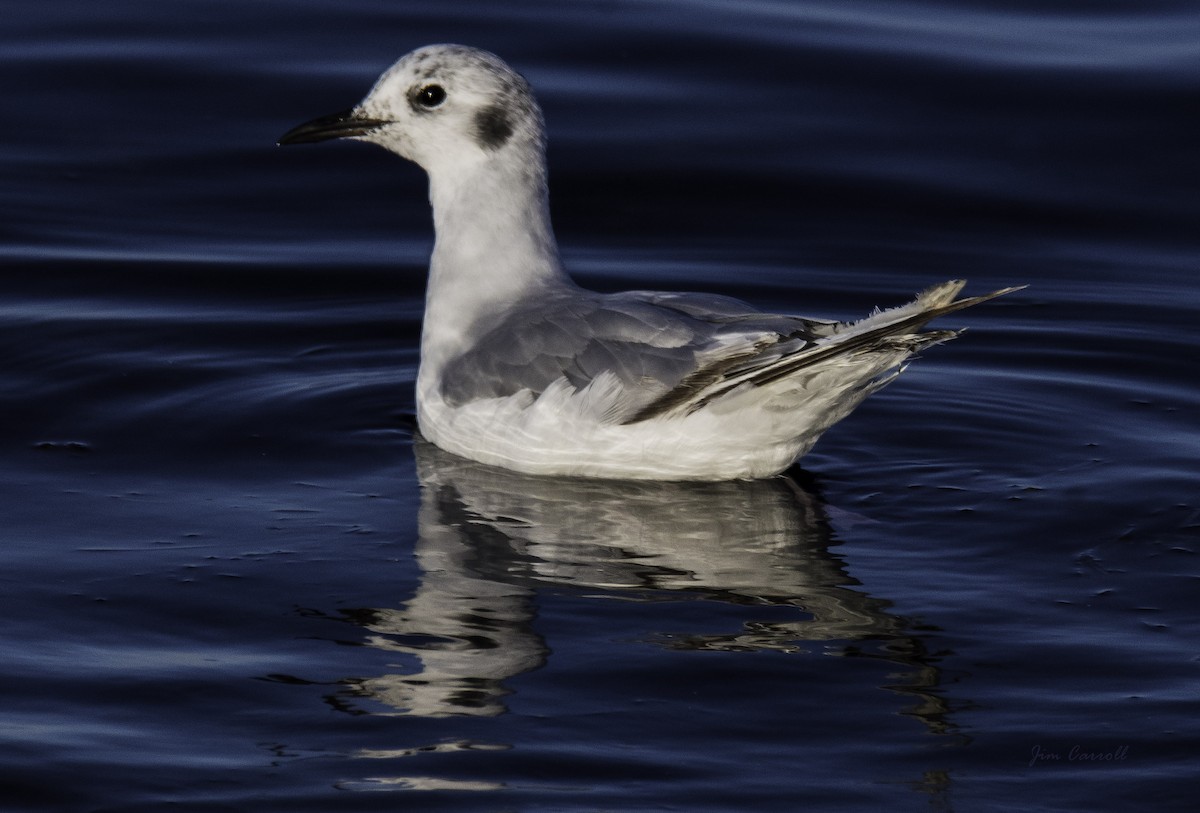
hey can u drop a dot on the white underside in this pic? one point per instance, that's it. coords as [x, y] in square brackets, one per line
[752, 432]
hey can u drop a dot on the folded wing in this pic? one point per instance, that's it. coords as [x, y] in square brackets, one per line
[667, 354]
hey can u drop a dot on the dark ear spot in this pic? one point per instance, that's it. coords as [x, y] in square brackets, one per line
[492, 127]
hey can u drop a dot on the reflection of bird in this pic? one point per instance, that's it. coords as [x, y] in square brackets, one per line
[761, 543]
[523, 369]
[496, 547]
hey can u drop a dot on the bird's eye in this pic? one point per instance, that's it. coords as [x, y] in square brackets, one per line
[430, 96]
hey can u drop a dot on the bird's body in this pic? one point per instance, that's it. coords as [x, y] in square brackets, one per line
[521, 368]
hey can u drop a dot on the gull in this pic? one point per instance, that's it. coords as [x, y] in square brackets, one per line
[523, 369]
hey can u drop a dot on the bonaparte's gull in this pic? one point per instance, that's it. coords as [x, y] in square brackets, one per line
[522, 368]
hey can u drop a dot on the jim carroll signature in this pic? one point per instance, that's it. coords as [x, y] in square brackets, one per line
[1077, 753]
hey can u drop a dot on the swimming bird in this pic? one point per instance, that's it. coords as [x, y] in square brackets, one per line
[523, 369]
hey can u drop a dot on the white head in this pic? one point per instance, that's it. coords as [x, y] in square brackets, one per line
[441, 106]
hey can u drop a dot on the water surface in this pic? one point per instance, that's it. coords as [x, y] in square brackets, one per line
[234, 579]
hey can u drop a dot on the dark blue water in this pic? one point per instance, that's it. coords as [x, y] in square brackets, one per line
[231, 578]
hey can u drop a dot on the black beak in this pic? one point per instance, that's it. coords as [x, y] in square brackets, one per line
[346, 124]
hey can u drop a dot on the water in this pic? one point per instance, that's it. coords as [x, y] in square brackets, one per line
[233, 579]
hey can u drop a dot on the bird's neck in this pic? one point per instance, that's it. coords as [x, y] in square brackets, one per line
[494, 248]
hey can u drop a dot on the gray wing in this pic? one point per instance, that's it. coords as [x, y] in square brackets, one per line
[651, 342]
[674, 353]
